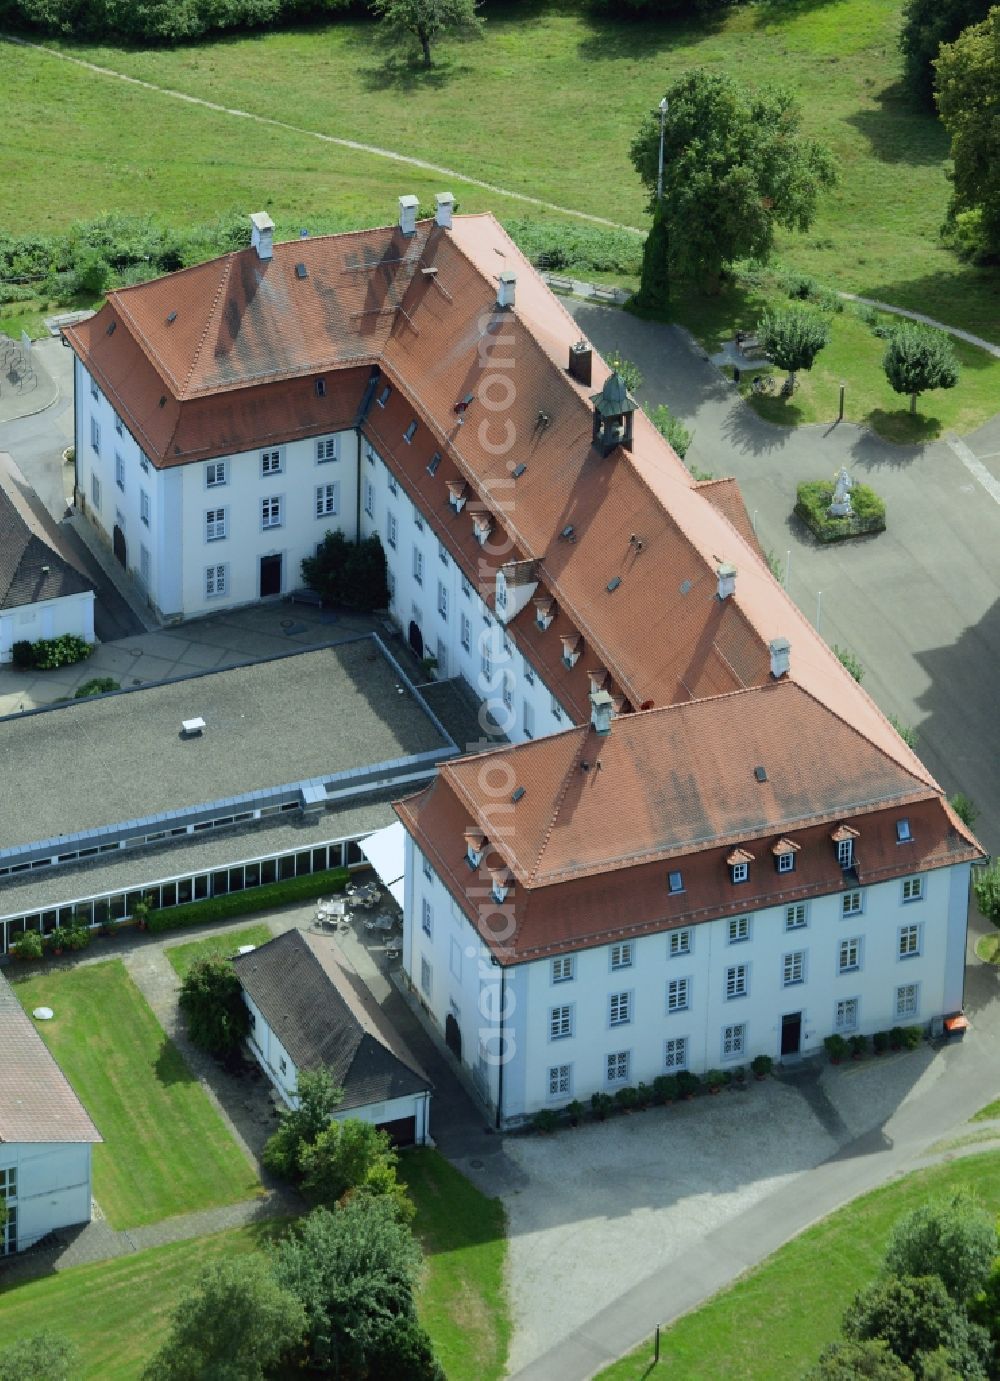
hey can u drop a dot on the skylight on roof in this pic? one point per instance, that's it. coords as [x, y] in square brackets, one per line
[519, 471]
[903, 835]
[171, 318]
[613, 584]
[567, 532]
[301, 271]
[675, 882]
[320, 388]
[435, 461]
[760, 773]
[518, 793]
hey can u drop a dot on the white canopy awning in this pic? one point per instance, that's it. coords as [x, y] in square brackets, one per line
[385, 851]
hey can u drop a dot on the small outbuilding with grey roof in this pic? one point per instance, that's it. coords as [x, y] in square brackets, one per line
[309, 1010]
[45, 1136]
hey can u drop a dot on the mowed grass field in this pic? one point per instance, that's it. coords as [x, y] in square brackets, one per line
[182, 956]
[546, 105]
[463, 1299]
[166, 1149]
[117, 1313]
[774, 1322]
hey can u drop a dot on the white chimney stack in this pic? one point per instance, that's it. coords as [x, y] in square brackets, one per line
[727, 580]
[445, 204]
[408, 214]
[262, 234]
[780, 650]
[602, 709]
[506, 290]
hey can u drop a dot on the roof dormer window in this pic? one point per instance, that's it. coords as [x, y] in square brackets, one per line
[571, 651]
[410, 432]
[502, 884]
[843, 839]
[545, 612]
[458, 494]
[383, 397]
[784, 855]
[675, 882]
[475, 847]
[903, 835]
[482, 526]
[738, 863]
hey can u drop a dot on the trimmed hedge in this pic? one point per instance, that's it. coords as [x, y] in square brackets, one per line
[814, 498]
[243, 903]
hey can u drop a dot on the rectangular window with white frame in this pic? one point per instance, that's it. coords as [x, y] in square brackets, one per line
[527, 672]
[560, 1022]
[95, 492]
[327, 500]
[215, 524]
[144, 507]
[845, 1017]
[443, 601]
[418, 519]
[426, 917]
[675, 1053]
[95, 435]
[369, 498]
[907, 1000]
[466, 633]
[120, 471]
[271, 512]
[617, 1066]
[556, 709]
[734, 1041]
[622, 955]
[425, 864]
[678, 995]
[679, 943]
[418, 565]
[793, 968]
[739, 872]
[144, 462]
[675, 882]
[216, 581]
[737, 981]
[215, 474]
[786, 863]
[795, 916]
[560, 1081]
[620, 1009]
[391, 530]
[426, 977]
[391, 483]
[95, 392]
[739, 930]
[849, 956]
[466, 588]
[326, 450]
[455, 959]
[913, 889]
[852, 903]
[563, 969]
[119, 428]
[507, 690]
[270, 463]
[442, 554]
[908, 943]
[528, 719]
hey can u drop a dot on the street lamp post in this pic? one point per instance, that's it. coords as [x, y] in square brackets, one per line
[659, 175]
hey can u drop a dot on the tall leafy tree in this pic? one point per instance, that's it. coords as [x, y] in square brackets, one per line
[954, 1239]
[926, 25]
[428, 20]
[212, 1002]
[793, 337]
[736, 167]
[40, 1355]
[318, 1097]
[872, 1359]
[917, 359]
[916, 1315]
[654, 285]
[343, 1157]
[968, 99]
[235, 1324]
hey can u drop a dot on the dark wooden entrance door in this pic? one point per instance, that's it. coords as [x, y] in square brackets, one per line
[118, 544]
[416, 639]
[453, 1036]
[791, 1033]
[270, 576]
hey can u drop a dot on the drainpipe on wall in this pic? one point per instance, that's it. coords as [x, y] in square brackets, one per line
[503, 1009]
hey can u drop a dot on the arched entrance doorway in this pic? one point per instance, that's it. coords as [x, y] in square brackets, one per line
[416, 640]
[118, 544]
[453, 1037]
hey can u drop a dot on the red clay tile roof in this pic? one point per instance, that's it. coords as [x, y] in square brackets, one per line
[36, 1101]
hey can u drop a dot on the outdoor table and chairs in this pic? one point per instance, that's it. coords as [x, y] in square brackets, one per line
[382, 924]
[332, 915]
[366, 894]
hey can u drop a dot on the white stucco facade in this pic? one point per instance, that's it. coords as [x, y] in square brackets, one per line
[695, 998]
[50, 618]
[47, 1186]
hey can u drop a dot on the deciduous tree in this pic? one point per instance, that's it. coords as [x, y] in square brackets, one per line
[917, 359]
[954, 1239]
[872, 1359]
[793, 337]
[41, 1356]
[212, 1002]
[736, 167]
[318, 1098]
[427, 20]
[914, 1315]
[926, 25]
[968, 99]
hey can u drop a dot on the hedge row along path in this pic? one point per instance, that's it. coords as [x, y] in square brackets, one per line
[450, 173]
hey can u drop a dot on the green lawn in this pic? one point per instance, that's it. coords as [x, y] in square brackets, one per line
[215, 947]
[775, 1321]
[117, 1313]
[988, 948]
[463, 1302]
[545, 104]
[166, 1149]
[988, 1113]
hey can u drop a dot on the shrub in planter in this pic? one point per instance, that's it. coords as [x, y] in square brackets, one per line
[57, 940]
[545, 1120]
[27, 946]
[880, 1042]
[912, 1036]
[688, 1084]
[814, 498]
[77, 937]
[714, 1078]
[50, 653]
[836, 1048]
[23, 654]
[859, 1047]
[643, 1095]
[762, 1065]
[602, 1103]
[575, 1111]
[896, 1038]
[736, 1076]
[665, 1088]
[97, 685]
[626, 1098]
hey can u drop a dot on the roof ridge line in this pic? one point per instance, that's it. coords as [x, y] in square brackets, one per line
[584, 732]
[929, 783]
[210, 316]
[159, 368]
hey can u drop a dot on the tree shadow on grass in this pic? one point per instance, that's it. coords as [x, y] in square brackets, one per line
[403, 72]
[622, 39]
[950, 296]
[897, 133]
[784, 11]
[170, 1066]
[904, 428]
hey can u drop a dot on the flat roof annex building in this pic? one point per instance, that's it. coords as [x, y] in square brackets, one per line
[704, 841]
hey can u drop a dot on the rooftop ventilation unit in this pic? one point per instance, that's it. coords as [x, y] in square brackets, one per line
[171, 318]
[760, 773]
[192, 728]
[581, 359]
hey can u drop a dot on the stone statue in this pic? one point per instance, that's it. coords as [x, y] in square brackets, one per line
[841, 505]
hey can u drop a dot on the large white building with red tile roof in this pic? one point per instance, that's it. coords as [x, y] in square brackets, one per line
[707, 842]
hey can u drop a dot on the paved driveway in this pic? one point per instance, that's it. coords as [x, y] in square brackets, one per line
[918, 604]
